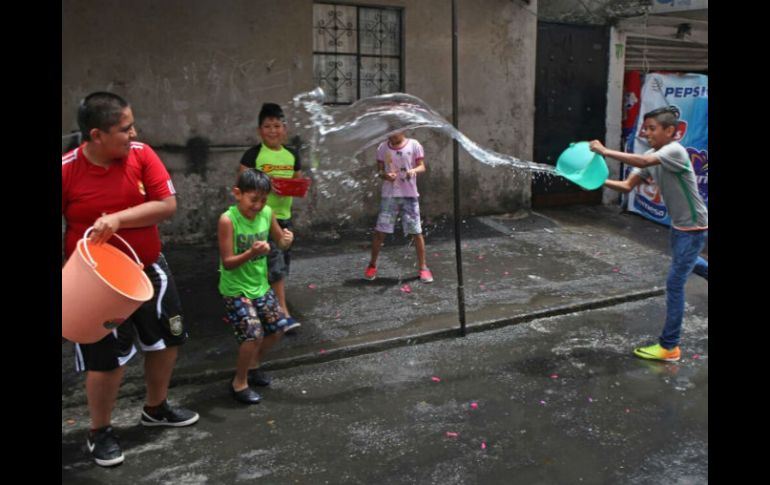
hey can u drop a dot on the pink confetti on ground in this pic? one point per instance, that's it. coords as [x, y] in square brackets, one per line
[435, 379]
[322, 351]
[406, 289]
[696, 356]
[482, 287]
[554, 376]
[474, 405]
[451, 434]
[616, 270]
[483, 445]
[542, 402]
[590, 399]
[506, 273]
[628, 410]
[312, 286]
[481, 257]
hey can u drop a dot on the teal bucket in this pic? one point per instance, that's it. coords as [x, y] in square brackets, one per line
[582, 166]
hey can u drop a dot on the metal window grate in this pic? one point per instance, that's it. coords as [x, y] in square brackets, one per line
[357, 51]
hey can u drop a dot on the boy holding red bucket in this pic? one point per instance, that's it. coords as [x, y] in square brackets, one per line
[278, 162]
[251, 306]
[668, 164]
[120, 186]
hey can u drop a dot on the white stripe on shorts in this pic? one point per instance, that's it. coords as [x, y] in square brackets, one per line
[80, 365]
[159, 345]
[163, 286]
[123, 360]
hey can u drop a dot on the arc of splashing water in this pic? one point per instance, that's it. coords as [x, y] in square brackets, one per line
[370, 120]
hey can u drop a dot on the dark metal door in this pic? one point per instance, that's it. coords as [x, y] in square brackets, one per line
[570, 103]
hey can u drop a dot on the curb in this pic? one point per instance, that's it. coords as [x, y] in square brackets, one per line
[309, 358]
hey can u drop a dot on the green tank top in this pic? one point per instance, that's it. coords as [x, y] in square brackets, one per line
[250, 278]
[278, 164]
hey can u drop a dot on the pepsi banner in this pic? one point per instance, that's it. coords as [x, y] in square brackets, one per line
[688, 93]
[632, 91]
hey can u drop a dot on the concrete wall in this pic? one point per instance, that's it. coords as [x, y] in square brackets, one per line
[197, 72]
[497, 97]
[613, 137]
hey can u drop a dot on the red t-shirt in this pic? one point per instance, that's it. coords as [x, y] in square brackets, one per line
[88, 190]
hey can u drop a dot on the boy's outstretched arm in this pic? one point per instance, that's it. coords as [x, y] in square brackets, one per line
[225, 238]
[624, 186]
[633, 159]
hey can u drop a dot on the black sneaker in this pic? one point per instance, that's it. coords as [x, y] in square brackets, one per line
[168, 416]
[104, 447]
[257, 377]
[246, 396]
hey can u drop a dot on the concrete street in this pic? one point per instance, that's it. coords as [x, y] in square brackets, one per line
[377, 386]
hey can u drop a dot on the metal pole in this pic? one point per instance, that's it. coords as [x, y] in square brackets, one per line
[456, 178]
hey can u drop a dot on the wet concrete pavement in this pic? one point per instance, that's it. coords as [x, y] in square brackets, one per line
[560, 399]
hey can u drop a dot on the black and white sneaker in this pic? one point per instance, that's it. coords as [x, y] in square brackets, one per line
[104, 447]
[168, 416]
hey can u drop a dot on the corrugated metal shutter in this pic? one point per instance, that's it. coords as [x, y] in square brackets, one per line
[656, 54]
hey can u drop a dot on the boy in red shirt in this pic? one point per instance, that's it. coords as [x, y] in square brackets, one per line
[118, 185]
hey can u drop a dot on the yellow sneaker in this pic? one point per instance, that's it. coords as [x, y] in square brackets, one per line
[656, 352]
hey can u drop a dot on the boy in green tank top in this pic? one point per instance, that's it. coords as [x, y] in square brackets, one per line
[277, 161]
[251, 306]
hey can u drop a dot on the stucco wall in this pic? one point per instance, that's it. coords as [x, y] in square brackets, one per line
[196, 74]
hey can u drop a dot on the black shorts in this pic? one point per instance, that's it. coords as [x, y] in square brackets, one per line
[158, 324]
[279, 261]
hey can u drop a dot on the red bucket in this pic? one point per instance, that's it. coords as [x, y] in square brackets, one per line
[295, 187]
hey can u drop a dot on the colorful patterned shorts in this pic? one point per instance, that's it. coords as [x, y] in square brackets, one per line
[253, 319]
[410, 215]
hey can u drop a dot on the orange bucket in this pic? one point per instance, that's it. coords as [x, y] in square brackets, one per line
[101, 287]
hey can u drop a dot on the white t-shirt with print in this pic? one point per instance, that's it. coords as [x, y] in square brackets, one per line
[399, 160]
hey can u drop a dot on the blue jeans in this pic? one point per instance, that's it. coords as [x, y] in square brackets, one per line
[701, 268]
[685, 249]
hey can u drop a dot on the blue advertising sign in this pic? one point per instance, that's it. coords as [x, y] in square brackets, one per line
[689, 93]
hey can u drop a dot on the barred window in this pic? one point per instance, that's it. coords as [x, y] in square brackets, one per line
[356, 51]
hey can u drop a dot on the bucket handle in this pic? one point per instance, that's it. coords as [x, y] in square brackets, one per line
[91, 261]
